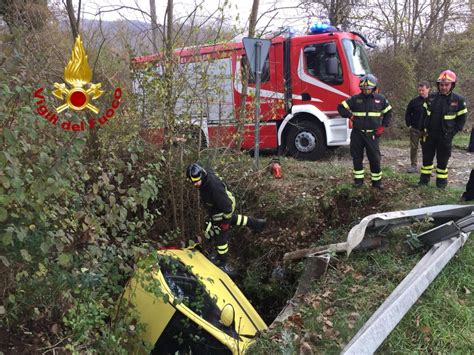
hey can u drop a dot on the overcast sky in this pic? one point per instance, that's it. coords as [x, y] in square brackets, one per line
[238, 12]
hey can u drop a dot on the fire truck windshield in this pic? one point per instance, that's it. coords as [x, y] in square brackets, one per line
[356, 56]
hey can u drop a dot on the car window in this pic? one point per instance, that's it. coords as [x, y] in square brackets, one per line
[184, 336]
[187, 288]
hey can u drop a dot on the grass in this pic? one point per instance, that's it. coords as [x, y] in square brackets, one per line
[441, 321]
[460, 141]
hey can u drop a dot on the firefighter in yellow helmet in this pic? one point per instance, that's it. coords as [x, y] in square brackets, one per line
[370, 113]
[220, 205]
[444, 116]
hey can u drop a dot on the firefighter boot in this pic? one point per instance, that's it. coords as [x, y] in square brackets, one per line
[221, 262]
[424, 179]
[229, 270]
[225, 266]
[441, 183]
[467, 197]
[256, 224]
[358, 183]
[378, 185]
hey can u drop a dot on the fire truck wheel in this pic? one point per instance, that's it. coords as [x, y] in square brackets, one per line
[191, 134]
[305, 141]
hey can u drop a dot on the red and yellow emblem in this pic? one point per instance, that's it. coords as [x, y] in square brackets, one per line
[77, 73]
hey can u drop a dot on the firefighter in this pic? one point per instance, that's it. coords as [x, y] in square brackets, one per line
[444, 116]
[369, 113]
[220, 204]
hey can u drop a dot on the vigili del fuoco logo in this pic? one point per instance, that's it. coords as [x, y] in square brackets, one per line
[78, 95]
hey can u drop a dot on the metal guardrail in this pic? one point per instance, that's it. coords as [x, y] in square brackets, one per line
[389, 314]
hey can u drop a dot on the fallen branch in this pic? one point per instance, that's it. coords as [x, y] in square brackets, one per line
[366, 244]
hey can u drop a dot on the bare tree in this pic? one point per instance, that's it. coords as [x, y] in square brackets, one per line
[338, 12]
[29, 14]
[411, 24]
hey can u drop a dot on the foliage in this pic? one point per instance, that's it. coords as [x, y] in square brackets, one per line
[399, 90]
[70, 228]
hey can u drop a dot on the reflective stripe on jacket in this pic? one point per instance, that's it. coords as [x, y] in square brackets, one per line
[369, 111]
[452, 113]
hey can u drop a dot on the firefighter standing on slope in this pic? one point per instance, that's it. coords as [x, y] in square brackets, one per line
[369, 113]
[445, 115]
[220, 204]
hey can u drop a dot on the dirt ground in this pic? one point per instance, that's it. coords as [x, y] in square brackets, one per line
[460, 163]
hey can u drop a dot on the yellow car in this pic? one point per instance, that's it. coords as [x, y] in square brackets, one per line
[188, 304]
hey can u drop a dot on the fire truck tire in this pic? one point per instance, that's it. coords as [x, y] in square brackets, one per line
[195, 138]
[191, 134]
[305, 141]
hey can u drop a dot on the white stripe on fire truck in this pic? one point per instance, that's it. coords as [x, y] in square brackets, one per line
[264, 93]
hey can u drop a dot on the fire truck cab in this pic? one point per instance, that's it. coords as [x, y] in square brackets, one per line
[303, 80]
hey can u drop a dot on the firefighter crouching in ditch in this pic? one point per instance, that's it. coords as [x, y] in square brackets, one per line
[220, 204]
[369, 113]
[444, 116]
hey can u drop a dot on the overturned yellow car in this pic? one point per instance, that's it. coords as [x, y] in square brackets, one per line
[189, 305]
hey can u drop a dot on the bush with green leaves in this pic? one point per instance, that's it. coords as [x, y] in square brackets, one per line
[71, 226]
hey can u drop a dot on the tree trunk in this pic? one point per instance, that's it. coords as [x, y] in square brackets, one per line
[154, 26]
[253, 18]
[241, 114]
[73, 22]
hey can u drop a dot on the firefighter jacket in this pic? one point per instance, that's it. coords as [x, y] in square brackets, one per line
[369, 111]
[445, 113]
[414, 112]
[220, 202]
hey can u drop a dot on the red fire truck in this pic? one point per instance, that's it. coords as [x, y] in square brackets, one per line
[303, 80]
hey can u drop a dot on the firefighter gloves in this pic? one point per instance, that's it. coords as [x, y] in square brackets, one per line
[379, 131]
[212, 230]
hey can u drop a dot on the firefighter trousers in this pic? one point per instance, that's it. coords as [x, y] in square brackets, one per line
[470, 148]
[436, 144]
[468, 195]
[367, 140]
[221, 240]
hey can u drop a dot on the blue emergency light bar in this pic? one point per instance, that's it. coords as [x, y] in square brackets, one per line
[320, 27]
